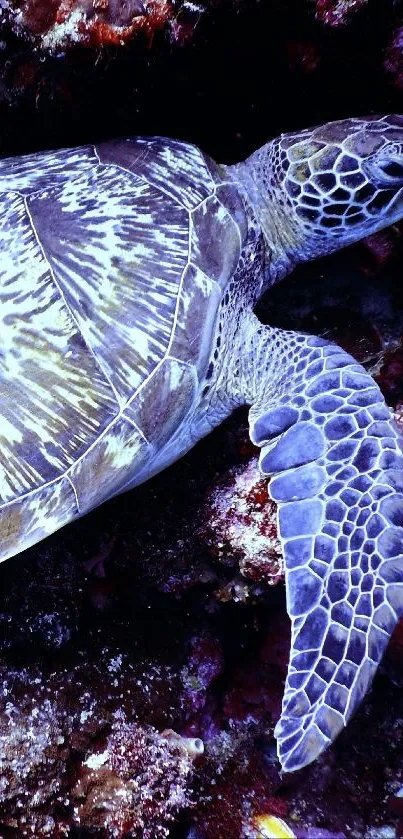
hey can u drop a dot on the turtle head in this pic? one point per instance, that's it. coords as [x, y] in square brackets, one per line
[321, 189]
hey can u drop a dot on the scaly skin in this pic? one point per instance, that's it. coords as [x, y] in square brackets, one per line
[317, 190]
[325, 431]
[329, 440]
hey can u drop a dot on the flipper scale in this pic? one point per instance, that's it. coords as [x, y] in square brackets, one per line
[338, 481]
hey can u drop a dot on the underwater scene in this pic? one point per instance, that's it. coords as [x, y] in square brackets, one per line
[201, 419]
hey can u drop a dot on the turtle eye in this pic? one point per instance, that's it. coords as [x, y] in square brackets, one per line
[389, 172]
[392, 169]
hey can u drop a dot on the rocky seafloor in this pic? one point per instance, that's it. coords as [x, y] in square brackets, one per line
[143, 649]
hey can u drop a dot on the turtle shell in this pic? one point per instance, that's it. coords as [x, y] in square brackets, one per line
[113, 261]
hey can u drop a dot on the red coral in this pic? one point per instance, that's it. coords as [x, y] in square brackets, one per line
[241, 524]
[97, 31]
[60, 25]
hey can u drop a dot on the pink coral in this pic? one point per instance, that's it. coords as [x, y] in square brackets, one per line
[242, 525]
[337, 12]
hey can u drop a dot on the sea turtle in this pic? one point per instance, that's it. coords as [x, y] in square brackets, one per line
[129, 273]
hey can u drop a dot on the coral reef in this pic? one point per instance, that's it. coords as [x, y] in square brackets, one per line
[58, 26]
[51, 773]
[137, 785]
[240, 526]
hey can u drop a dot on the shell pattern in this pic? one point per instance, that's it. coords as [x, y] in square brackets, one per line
[111, 275]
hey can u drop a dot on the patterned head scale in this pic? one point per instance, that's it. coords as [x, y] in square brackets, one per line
[344, 180]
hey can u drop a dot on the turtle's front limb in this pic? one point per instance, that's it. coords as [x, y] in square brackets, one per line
[328, 438]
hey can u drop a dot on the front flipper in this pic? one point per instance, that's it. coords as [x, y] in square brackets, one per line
[328, 438]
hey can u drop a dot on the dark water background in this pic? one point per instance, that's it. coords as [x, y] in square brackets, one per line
[249, 71]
